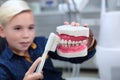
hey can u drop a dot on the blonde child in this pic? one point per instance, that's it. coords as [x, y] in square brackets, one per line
[22, 53]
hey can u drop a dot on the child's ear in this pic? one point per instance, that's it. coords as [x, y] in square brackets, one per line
[2, 31]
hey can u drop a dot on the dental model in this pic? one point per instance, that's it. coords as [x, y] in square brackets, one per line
[70, 42]
[73, 41]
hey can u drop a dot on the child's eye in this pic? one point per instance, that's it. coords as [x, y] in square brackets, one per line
[31, 27]
[17, 28]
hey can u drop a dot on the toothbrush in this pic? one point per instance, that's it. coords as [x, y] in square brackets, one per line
[51, 45]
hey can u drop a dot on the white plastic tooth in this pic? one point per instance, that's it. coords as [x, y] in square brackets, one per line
[73, 43]
[69, 42]
[65, 42]
[62, 41]
[84, 41]
[77, 43]
[80, 42]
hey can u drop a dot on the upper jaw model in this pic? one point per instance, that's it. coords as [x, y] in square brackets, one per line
[73, 41]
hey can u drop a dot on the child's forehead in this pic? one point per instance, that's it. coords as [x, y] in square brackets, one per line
[22, 19]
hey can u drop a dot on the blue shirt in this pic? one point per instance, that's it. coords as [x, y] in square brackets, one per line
[2, 43]
[14, 67]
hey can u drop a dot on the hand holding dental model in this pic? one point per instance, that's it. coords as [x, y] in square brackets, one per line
[70, 42]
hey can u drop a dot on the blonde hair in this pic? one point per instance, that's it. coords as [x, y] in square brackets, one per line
[11, 8]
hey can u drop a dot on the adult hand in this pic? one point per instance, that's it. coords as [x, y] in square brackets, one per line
[72, 23]
[91, 40]
[31, 75]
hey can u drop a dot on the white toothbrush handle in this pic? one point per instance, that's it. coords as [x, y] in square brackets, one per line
[41, 64]
[51, 45]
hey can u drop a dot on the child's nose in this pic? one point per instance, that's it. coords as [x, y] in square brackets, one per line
[26, 34]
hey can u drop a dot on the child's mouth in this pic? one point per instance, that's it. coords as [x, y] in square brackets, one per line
[25, 44]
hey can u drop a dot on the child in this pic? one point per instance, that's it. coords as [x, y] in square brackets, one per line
[23, 48]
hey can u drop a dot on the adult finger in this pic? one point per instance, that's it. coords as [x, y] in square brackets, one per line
[73, 23]
[77, 24]
[66, 23]
[86, 25]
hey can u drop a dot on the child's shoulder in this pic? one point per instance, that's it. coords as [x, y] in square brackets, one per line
[3, 58]
[40, 41]
[41, 38]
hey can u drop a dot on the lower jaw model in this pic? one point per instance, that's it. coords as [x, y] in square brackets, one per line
[73, 41]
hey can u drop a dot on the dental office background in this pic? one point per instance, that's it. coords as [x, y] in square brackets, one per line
[103, 17]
